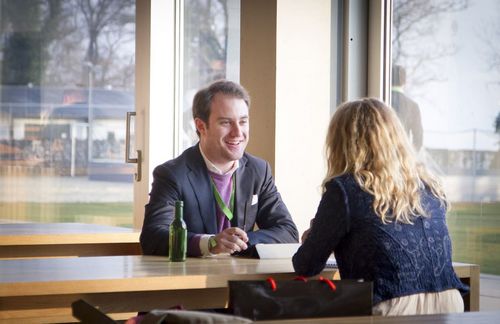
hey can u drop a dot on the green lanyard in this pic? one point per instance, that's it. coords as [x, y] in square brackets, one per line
[223, 207]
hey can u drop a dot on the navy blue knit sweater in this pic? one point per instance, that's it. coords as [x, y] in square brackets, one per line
[400, 259]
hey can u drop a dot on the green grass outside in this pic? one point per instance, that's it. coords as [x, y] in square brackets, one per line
[113, 214]
[475, 234]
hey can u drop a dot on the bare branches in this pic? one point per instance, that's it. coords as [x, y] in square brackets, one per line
[414, 22]
[489, 34]
[101, 39]
[206, 24]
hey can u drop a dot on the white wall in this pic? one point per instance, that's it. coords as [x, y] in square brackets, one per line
[285, 64]
[302, 103]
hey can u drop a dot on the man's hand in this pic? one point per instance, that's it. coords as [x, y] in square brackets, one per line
[230, 240]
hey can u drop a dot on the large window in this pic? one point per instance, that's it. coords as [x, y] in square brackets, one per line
[67, 81]
[446, 90]
[211, 52]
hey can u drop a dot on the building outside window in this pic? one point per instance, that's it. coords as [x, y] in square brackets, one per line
[66, 82]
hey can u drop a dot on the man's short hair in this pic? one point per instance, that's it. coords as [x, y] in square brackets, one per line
[398, 75]
[203, 99]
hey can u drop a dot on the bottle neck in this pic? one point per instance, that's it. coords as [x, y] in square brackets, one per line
[178, 212]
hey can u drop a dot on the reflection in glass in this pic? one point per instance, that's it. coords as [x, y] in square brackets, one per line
[67, 81]
[211, 52]
[449, 50]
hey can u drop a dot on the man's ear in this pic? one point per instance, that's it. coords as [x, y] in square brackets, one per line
[200, 125]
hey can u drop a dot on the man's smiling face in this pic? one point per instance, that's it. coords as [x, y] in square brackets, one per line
[224, 139]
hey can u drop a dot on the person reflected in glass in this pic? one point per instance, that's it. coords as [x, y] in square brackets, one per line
[225, 190]
[383, 215]
[407, 110]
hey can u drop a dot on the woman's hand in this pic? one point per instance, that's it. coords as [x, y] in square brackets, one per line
[305, 235]
[306, 232]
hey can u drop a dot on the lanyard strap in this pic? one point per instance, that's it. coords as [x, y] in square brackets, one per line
[228, 211]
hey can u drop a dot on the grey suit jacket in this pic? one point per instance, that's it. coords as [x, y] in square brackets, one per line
[409, 114]
[186, 178]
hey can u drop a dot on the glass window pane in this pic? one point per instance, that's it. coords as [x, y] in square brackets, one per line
[67, 81]
[211, 52]
[446, 89]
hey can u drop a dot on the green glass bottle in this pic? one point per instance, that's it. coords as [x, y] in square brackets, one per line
[178, 235]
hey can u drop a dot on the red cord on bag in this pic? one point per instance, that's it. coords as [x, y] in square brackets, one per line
[329, 282]
[272, 282]
[301, 278]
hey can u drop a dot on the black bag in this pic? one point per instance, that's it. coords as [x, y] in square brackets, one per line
[286, 299]
[88, 313]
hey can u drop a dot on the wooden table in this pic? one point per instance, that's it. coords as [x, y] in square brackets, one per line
[43, 289]
[467, 317]
[28, 240]
[469, 274]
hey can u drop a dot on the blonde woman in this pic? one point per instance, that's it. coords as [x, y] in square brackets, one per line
[383, 215]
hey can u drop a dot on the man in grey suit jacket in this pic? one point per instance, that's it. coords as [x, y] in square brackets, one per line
[407, 110]
[226, 192]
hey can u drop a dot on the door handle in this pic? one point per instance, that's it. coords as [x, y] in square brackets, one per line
[128, 159]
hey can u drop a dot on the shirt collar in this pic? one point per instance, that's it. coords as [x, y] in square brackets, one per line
[212, 168]
[397, 89]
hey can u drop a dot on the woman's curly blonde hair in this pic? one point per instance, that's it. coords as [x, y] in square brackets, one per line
[366, 139]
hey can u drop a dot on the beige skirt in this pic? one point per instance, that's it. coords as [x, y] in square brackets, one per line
[448, 301]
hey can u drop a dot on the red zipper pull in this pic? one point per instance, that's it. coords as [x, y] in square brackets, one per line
[329, 282]
[273, 283]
